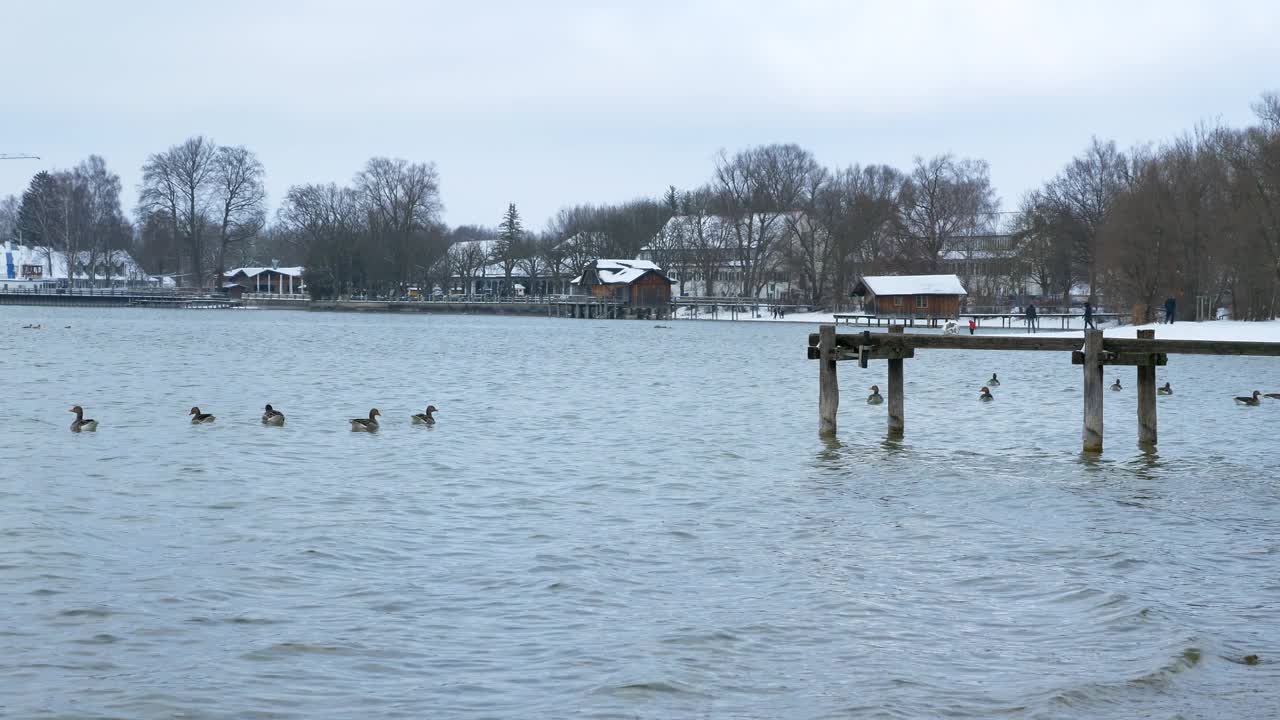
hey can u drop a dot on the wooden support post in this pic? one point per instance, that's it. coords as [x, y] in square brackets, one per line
[828, 387]
[896, 423]
[1147, 397]
[1092, 434]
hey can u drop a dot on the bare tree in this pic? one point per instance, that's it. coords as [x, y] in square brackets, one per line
[1085, 191]
[942, 199]
[757, 187]
[177, 182]
[327, 224]
[809, 241]
[239, 198]
[402, 206]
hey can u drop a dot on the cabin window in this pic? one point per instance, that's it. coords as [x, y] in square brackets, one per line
[922, 301]
[897, 300]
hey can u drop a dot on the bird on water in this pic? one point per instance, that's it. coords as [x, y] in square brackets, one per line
[200, 418]
[1273, 396]
[1115, 386]
[993, 382]
[986, 395]
[272, 416]
[369, 424]
[1251, 401]
[81, 423]
[875, 398]
[1164, 390]
[424, 417]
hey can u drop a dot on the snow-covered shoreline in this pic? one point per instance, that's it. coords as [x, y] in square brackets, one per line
[1238, 330]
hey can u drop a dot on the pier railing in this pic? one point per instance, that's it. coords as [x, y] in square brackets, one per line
[1094, 352]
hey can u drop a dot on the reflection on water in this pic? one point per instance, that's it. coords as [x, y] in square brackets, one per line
[611, 520]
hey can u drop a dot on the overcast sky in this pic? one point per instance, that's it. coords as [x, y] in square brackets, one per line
[547, 104]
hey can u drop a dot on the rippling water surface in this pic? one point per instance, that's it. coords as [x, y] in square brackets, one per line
[614, 520]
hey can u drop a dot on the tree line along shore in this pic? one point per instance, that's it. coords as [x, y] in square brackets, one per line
[1196, 217]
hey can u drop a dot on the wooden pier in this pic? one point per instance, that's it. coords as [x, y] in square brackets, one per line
[1093, 352]
[119, 298]
[1007, 320]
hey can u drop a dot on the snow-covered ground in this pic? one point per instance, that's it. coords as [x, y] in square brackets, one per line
[1268, 331]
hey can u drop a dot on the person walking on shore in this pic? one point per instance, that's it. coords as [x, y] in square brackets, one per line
[1170, 309]
[1088, 316]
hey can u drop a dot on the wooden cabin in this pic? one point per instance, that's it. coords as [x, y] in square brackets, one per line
[637, 283]
[913, 296]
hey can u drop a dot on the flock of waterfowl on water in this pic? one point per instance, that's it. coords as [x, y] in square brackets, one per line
[875, 398]
[270, 417]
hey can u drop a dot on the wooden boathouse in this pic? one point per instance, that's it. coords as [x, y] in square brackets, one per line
[640, 287]
[930, 298]
[1093, 352]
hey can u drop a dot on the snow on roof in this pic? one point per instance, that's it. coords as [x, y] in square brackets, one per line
[914, 285]
[255, 271]
[620, 272]
[54, 263]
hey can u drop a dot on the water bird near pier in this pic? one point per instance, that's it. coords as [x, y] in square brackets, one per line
[273, 417]
[425, 417]
[200, 418]
[81, 423]
[1164, 389]
[875, 398]
[1115, 386]
[1250, 401]
[986, 395]
[369, 424]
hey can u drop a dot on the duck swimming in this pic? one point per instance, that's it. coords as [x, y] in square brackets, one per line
[424, 417]
[1251, 401]
[80, 423]
[273, 417]
[1164, 390]
[993, 382]
[1273, 396]
[366, 425]
[1115, 386]
[986, 395]
[199, 418]
[875, 398]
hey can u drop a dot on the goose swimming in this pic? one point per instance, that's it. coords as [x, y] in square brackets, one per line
[200, 418]
[273, 417]
[425, 418]
[875, 398]
[1251, 401]
[81, 424]
[366, 425]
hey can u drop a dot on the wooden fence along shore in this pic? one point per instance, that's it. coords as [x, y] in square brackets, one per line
[1094, 353]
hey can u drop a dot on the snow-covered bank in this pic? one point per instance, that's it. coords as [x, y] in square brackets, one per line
[1267, 331]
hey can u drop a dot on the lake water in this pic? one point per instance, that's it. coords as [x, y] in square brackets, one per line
[613, 520]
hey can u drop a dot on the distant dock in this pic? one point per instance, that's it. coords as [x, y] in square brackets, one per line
[116, 298]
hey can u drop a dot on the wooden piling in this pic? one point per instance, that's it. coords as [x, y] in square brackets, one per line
[1093, 388]
[1147, 396]
[896, 421]
[828, 387]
